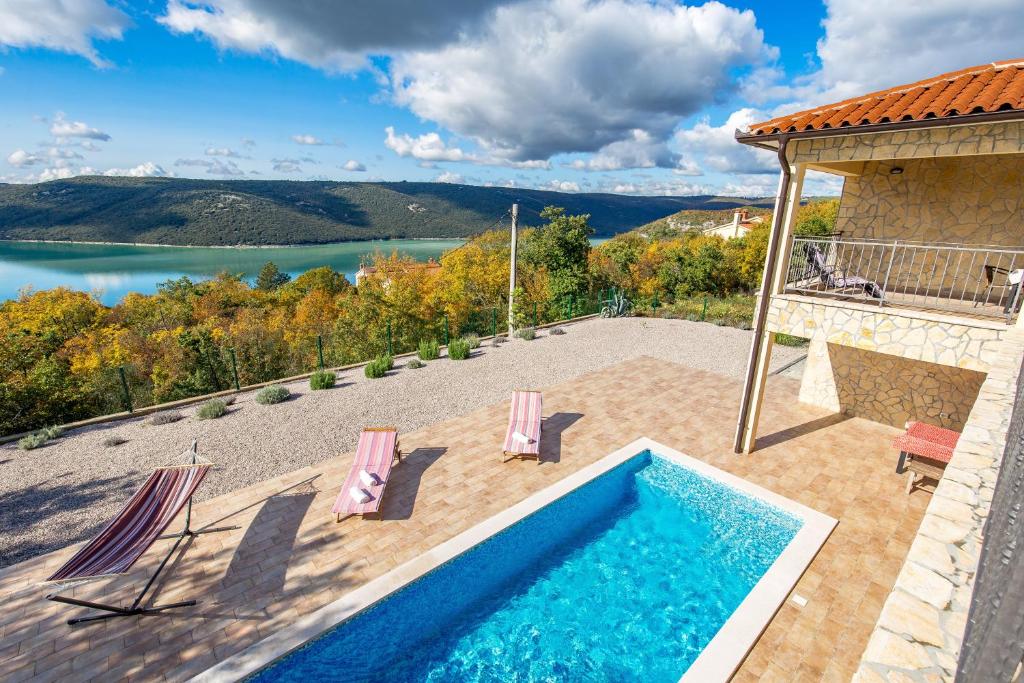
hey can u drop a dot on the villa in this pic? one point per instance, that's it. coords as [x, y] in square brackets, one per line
[819, 563]
[913, 314]
[740, 225]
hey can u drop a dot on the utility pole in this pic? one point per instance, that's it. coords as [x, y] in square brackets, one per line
[512, 270]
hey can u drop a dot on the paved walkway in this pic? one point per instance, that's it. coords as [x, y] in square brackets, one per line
[290, 558]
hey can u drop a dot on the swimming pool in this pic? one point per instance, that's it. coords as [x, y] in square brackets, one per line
[628, 573]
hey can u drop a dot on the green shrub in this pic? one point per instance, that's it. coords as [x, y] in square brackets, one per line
[379, 366]
[458, 349]
[322, 379]
[472, 340]
[112, 441]
[790, 340]
[165, 418]
[39, 438]
[51, 432]
[34, 440]
[415, 363]
[526, 333]
[429, 349]
[211, 409]
[275, 393]
[732, 311]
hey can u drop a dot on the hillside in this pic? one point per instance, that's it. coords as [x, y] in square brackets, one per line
[691, 219]
[261, 212]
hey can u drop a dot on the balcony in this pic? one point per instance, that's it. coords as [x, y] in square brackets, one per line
[976, 281]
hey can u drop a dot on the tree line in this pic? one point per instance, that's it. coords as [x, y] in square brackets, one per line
[63, 352]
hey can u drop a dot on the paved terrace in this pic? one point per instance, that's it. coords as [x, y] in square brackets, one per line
[290, 557]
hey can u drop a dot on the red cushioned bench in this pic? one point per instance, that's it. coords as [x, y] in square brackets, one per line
[925, 450]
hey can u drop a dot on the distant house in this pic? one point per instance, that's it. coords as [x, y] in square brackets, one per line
[741, 224]
[366, 271]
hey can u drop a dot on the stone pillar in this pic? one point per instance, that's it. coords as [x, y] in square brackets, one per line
[818, 384]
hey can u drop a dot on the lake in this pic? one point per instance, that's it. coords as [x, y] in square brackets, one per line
[113, 270]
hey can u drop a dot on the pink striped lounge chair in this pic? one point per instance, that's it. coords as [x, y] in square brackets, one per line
[131, 532]
[925, 450]
[363, 489]
[522, 439]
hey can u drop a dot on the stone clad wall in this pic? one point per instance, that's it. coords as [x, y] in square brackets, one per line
[972, 200]
[888, 389]
[948, 141]
[921, 627]
[933, 338]
[887, 365]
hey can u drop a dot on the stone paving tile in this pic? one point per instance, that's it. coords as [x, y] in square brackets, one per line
[289, 557]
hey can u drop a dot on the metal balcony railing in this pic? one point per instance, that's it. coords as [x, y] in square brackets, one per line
[976, 280]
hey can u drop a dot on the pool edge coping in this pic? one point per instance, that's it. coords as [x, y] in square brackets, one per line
[717, 661]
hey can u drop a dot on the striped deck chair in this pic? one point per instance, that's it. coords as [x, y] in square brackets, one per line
[925, 450]
[130, 534]
[363, 489]
[522, 439]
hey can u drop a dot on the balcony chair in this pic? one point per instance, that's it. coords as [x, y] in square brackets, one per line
[990, 277]
[833, 277]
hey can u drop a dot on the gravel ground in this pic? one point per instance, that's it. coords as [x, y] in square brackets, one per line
[62, 493]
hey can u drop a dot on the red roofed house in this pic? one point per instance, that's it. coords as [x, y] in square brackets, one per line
[912, 312]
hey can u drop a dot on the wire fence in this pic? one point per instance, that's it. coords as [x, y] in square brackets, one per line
[207, 367]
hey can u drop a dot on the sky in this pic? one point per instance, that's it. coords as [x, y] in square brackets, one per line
[625, 96]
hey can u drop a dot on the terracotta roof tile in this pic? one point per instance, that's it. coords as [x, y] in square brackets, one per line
[986, 88]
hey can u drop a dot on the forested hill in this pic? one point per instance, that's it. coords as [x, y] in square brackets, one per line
[257, 212]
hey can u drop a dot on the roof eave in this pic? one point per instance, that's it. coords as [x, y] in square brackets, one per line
[981, 117]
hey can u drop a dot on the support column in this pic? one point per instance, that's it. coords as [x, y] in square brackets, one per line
[777, 280]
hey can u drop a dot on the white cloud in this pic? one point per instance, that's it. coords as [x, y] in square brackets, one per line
[715, 147]
[248, 142]
[654, 187]
[426, 147]
[21, 158]
[287, 165]
[222, 152]
[330, 36]
[449, 177]
[307, 140]
[562, 186]
[62, 128]
[354, 166]
[223, 167]
[61, 25]
[146, 169]
[873, 44]
[576, 76]
[430, 148]
[639, 150]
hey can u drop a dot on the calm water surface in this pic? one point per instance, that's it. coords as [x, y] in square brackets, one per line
[114, 270]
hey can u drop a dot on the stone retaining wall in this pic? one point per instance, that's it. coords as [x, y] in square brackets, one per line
[919, 632]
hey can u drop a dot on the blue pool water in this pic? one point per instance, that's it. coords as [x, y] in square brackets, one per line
[626, 578]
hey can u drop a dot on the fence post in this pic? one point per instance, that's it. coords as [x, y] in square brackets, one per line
[494, 322]
[234, 368]
[535, 315]
[390, 350]
[124, 386]
[319, 351]
[655, 304]
[445, 329]
[569, 317]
